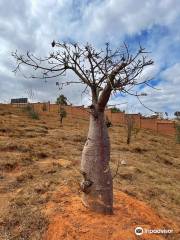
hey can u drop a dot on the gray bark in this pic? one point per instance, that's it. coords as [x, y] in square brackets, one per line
[97, 185]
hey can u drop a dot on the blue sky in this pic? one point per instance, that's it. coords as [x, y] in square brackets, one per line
[33, 24]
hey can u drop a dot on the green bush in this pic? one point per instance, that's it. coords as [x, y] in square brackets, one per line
[115, 110]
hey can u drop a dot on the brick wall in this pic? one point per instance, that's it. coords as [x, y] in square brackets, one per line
[115, 118]
[161, 126]
[80, 112]
[54, 108]
[39, 107]
[148, 123]
[166, 127]
[118, 118]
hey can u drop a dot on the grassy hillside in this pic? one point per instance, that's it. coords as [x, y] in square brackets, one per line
[39, 156]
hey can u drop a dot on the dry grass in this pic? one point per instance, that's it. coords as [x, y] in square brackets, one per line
[32, 168]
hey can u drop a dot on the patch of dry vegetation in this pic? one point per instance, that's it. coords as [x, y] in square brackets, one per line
[38, 156]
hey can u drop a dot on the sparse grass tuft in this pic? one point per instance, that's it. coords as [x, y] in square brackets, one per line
[14, 147]
[34, 115]
[31, 224]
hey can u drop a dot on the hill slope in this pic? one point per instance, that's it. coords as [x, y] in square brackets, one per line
[40, 157]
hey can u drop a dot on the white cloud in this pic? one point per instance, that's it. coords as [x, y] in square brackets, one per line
[163, 100]
[172, 75]
[112, 19]
[33, 24]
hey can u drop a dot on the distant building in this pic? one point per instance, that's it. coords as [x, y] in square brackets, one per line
[19, 100]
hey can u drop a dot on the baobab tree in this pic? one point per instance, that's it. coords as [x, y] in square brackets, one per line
[103, 72]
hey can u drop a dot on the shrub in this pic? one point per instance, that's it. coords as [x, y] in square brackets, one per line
[136, 131]
[62, 114]
[34, 115]
[177, 126]
[115, 110]
[130, 128]
[31, 112]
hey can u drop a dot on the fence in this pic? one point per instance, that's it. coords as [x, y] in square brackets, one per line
[165, 127]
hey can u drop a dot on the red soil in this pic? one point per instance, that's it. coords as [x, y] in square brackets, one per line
[71, 220]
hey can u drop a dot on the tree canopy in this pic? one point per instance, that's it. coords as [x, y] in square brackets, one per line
[62, 100]
[102, 70]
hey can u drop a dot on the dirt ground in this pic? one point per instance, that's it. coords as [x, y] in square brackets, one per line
[39, 181]
[73, 221]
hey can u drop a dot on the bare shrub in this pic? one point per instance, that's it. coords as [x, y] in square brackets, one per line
[130, 126]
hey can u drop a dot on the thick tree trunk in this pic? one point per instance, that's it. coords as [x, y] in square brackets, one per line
[97, 185]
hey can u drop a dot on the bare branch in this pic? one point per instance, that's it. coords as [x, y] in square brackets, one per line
[145, 105]
[103, 71]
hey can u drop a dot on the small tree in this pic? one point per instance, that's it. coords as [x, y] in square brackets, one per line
[115, 110]
[62, 114]
[130, 127]
[104, 72]
[62, 100]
